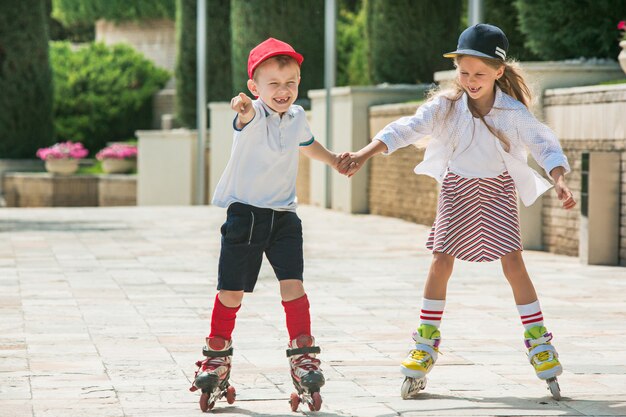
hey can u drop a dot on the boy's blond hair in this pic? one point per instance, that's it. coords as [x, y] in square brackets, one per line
[281, 60]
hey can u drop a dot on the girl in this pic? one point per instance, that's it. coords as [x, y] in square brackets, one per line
[479, 129]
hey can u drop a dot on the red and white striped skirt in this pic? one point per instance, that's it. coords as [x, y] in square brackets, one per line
[477, 218]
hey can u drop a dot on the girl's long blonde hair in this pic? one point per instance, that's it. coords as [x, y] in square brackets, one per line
[512, 83]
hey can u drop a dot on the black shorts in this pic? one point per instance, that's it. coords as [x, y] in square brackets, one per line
[248, 233]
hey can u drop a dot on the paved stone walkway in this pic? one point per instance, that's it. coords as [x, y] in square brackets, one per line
[103, 313]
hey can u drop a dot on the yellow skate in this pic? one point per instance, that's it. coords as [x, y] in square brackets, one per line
[544, 358]
[420, 360]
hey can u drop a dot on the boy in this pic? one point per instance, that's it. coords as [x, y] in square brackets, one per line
[258, 187]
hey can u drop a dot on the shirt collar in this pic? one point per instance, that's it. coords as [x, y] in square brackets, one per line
[502, 100]
[269, 112]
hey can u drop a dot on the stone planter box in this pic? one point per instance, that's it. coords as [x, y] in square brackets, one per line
[48, 190]
[19, 165]
[117, 190]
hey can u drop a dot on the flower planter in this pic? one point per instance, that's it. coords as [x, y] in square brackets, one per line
[622, 56]
[118, 166]
[65, 166]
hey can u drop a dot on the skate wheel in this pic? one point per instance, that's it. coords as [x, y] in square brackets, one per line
[294, 402]
[316, 402]
[555, 390]
[231, 394]
[204, 402]
[411, 387]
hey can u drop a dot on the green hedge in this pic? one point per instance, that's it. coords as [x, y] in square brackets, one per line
[407, 38]
[102, 93]
[25, 79]
[297, 22]
[88, 11]
[218, 69]
[563, 29]
[352, 49]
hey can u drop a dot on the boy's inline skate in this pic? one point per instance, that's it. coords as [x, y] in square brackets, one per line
[420, 360]
[213, 373]
[543, 358]
[305, 372]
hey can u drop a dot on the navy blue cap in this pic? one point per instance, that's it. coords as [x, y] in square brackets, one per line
[482, 40]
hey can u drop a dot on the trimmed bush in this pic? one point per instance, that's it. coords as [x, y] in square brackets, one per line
[218, 69]
[88, 11]
[25, 79]
[352, 50]
[102, 93]
[297, 22]
[407, 38]
[563, 29]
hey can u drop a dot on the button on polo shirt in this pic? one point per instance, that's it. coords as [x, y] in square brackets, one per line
[263, 165]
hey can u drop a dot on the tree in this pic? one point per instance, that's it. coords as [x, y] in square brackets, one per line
[562, 29]
[218, 68]
[297, 22]
[88, 11]
[408, 38]
[505, 15]
[25, 79]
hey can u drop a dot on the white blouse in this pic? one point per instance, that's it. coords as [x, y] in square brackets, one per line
[477, 155]
[447, 122]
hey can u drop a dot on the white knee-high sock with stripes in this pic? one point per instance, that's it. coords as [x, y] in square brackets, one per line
[431, 312]
[531, 314]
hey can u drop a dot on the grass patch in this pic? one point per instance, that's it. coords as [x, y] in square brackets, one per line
[611, 82]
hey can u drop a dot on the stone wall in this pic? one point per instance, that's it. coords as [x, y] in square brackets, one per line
[586, 119]
[117, 190]
[394, 189]
[47, 190]
[156, 39]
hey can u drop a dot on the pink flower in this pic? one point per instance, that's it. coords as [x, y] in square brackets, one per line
[118, 151]
[63, 150]
[622, 25]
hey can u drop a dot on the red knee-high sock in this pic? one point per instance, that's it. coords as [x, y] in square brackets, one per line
[298, 317]
[223, 319]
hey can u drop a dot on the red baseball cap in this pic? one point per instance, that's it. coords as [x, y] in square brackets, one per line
[267, 49]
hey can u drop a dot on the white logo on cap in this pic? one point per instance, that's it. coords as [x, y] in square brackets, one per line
[501, 52]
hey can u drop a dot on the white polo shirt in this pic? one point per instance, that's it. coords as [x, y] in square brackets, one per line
[263, 163]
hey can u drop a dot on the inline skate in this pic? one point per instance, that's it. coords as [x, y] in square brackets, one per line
[213, 373]
[305, 372]
[420, 360]
[544, 358]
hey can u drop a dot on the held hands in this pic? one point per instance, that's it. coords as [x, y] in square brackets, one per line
[242, 104]
[348, 163]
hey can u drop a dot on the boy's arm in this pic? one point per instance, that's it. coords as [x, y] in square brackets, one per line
[242, 104]
[317, 151]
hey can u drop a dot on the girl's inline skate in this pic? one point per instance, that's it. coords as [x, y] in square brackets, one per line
[420, 360]
[213, 373]
[544, 358]
[305, 372]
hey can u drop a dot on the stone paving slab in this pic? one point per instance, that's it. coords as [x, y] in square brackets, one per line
[103, 313]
